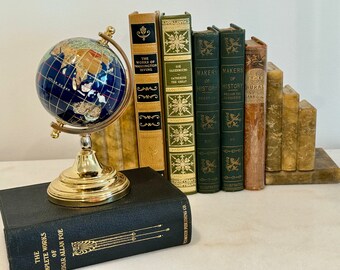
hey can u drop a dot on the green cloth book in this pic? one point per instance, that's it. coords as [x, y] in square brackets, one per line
[207, 106]
[179, 100]
[232, 59]
[41, 235]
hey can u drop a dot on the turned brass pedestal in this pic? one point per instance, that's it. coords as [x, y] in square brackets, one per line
[88, 183]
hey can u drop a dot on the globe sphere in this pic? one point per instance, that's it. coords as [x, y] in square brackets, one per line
[81, 82]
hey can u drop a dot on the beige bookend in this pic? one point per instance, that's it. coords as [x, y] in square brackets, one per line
[306, 136]
[274, 118]
[116, 145]
[325, 172]
[290, 113]
[129, 137]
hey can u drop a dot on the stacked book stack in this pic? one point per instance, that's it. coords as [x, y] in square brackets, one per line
[227, 122]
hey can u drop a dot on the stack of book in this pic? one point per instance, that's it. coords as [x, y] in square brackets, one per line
[202, 116]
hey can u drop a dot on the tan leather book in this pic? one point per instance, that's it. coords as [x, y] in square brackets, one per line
[274, 118]
[290, 114]
[255, 114]
[145, 55]
[306, 136]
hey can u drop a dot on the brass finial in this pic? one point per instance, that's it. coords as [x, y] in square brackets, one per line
[109, 33]
[55, 132]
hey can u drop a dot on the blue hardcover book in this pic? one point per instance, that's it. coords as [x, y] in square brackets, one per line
[40, 235]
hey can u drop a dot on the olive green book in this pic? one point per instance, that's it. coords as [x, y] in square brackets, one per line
[178, 100]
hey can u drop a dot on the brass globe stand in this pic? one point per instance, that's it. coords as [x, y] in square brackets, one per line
[87, 182]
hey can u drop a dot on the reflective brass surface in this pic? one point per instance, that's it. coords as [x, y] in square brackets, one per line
[88, 183]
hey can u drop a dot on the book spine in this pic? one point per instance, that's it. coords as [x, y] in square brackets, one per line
[145, 54]
[91, 239]
[306, 136]
[207, 103]
[274, 118]
[179, 101]
[232, 46]
[255, 114]
[290, 113]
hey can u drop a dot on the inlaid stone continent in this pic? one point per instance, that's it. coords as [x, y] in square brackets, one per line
[81, 82]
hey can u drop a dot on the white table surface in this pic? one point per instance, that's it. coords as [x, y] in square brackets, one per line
[280, 227]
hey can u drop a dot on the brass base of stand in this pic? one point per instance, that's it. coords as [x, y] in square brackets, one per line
[88, 183]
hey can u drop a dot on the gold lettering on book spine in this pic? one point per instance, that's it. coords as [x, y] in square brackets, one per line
[255, 89]
[186, 224]
[83, 247]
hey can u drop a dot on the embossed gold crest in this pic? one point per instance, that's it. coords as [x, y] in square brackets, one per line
[208, 166]
[180, 105]
[232, 45]
[233, 120]
[208, 122]
[143, 33]
[206, 47]
[182, 163]
[177, 41]
[232, 164]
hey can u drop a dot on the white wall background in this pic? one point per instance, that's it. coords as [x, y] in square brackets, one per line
[303, 38]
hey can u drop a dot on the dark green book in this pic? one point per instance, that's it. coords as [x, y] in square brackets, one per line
[176, 48]
[232, 51]
[206, 55]
[40, 235]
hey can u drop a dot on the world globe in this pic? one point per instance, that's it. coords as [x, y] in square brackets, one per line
[84, 85]
[81, 82]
